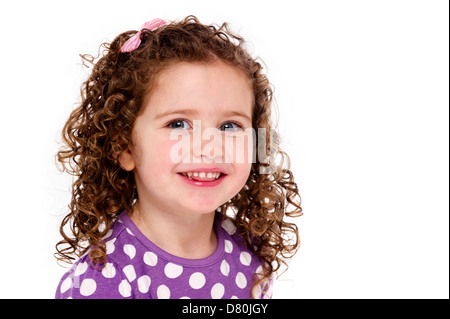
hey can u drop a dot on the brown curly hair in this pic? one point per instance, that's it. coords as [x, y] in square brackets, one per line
[100, 129]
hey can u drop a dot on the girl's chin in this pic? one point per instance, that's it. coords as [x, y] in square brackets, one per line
[202, 210]
[199, 205]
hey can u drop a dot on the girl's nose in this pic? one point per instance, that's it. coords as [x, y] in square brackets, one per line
[207, 144]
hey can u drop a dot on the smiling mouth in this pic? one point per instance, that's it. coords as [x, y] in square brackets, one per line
[202, 176]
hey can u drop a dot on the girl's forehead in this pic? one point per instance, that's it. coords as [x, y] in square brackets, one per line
[215, 84]
[216, 67]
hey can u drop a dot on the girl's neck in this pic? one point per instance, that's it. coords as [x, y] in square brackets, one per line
[186, 236]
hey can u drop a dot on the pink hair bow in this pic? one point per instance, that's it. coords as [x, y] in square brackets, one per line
[133, 43]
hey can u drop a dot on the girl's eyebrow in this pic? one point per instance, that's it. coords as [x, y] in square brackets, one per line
[177, 111]
[237, 113]
[193, 112]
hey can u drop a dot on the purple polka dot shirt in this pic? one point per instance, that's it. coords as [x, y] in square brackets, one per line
[137, 268]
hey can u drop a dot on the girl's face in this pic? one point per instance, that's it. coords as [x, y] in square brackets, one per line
[191, 152]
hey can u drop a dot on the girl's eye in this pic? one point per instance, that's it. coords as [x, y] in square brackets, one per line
[230, 126]
[179, 125]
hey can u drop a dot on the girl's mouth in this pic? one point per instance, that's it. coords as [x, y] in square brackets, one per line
[202, 179]
[202, 176]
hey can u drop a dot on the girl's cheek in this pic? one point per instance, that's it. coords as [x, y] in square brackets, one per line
[238, 149]
[154, 153]
[163, 153]
[178, 148]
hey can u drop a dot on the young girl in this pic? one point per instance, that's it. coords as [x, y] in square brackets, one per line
[148, 222]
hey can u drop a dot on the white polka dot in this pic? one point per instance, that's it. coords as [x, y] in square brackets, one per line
[241, 281]
[224, 268]
[163, 292]
[129, 272]
[109, 271]
[144, 283]
[228, 246]
[130, 250]
[110, 246]
[245, 258]
[217, 291]
[125, 288]
[229, 226]
[81, 269]
[150, 258]
[65, 285]
[197, 280]
[173, 270]
[185, 297]
[234, 297]
[129, 231]
[108, 234]
[88, 287]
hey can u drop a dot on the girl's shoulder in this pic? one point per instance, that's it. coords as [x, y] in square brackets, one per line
[245, 260]
[232, 238]
[87, 280]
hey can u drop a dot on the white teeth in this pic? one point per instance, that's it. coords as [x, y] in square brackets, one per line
[214, 175]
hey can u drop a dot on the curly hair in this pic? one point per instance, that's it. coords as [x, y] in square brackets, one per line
[100, 129]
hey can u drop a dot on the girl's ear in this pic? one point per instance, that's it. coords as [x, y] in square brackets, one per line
[126, 160]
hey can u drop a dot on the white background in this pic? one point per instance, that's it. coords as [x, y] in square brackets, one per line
[362, 97]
